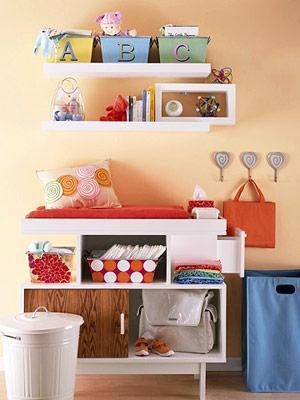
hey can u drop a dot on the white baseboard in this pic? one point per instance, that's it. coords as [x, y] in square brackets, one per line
[233, 364]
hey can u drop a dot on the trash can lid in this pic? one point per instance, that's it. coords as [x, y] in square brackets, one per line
[38, 322]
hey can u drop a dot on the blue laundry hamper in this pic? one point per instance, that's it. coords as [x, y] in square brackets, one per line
[117, 49]
[271, 331]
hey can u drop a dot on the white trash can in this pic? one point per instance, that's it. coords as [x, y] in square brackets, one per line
[40, 355]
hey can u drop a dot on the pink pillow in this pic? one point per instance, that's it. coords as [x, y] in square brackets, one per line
[88, 186]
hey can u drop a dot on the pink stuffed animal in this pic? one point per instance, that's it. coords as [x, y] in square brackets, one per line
[110, 24]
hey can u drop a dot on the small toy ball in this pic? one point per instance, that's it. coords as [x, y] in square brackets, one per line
[207, 106]
[174, 108]
[223, 75]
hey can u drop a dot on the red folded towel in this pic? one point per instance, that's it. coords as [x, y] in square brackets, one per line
[213, 265]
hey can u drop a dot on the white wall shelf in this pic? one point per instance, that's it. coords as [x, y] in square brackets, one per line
[126, 70]
[115, 126]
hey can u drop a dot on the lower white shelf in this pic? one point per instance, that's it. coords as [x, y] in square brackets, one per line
[213, 356]
[115, 126]
[180, 363]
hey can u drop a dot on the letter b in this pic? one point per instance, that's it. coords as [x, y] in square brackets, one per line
[126, 48]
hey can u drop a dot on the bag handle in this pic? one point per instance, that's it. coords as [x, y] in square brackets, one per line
[255, 187]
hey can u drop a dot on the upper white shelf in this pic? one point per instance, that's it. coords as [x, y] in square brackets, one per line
[127, 70]
[132, 126]
[85, 226]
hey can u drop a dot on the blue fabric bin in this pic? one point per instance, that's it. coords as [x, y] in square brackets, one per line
[117, 49]
[271, 331]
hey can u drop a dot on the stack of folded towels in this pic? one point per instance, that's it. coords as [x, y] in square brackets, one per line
[206, 272]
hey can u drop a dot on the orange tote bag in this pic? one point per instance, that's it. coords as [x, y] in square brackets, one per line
[256, 218]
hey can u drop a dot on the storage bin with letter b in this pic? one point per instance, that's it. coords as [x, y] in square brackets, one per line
[117, 49]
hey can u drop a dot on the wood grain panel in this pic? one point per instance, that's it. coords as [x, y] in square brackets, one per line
[234, 315]
[100, 335]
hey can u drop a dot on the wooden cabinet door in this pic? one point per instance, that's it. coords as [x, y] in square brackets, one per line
[103, 334]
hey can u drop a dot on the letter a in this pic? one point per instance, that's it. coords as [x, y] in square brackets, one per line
[68, 49]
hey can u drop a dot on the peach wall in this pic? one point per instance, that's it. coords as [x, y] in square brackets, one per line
[259, 39]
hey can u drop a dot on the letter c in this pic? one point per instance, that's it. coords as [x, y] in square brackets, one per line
[176, 51]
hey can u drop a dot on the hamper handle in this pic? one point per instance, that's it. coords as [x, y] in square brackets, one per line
[255, 187]
[39, 308]
[285, 289]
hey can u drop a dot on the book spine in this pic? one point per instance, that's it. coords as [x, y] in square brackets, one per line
[144, 105]
[127, 109]
[139, 107]
[134, 109]
[152, 103]
[148, 105]
[130, 108]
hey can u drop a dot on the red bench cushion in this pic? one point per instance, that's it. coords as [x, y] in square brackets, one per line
[125, 212]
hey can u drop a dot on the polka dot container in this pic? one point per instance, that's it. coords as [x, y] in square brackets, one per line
[122, 271]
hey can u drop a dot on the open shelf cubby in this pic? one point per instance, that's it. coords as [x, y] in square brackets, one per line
[104, 242]
[218, 351]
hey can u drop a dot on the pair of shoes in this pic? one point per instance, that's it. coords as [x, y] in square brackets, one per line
[143, 347]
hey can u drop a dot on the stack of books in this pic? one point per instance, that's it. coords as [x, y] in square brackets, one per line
[141, 109]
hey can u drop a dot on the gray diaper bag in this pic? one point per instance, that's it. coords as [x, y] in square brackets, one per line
[184, 319]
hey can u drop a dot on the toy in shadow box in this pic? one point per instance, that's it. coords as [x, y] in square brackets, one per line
[190, 102]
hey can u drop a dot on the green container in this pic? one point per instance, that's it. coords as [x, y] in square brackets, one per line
[182, 49]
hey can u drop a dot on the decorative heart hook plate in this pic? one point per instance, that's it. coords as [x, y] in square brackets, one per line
[222, 159]
[249, 160]
[275, 160]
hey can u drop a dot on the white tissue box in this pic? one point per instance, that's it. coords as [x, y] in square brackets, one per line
[205, 213]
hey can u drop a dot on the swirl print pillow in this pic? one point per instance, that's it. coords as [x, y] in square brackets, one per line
[88, 186]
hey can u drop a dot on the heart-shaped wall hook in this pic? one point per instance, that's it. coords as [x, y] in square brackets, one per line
[249, 160]
[222, 159]
[275, 160]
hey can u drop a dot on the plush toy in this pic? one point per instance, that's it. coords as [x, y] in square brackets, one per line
[117, 112]
[110, 24]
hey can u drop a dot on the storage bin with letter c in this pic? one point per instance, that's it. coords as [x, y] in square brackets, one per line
[182, 49]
